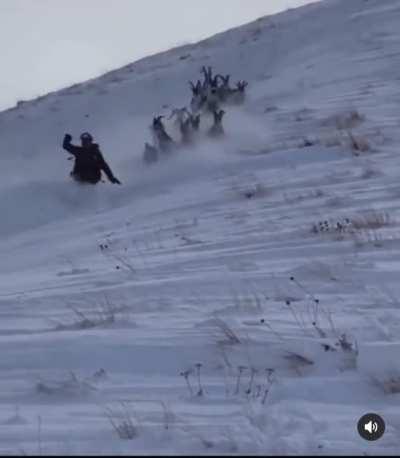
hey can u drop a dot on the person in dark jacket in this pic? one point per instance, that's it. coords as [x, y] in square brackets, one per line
[89, 162]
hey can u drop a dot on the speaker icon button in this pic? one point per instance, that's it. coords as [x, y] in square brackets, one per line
[371, 427]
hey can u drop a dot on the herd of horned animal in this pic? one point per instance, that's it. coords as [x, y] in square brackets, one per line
[208, 96]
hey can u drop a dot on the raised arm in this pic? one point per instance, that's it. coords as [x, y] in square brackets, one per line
[68, 146]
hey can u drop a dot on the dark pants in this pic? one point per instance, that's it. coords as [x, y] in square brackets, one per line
[86, 178]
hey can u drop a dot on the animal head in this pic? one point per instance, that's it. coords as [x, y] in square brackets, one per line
[214, 82]
[158, 124]
[157, 120]
[241, 85]
[208, 76]
[196, 89]
[225, 80]
[218, 115]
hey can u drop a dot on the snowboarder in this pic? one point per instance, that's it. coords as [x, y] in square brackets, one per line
[89, 162]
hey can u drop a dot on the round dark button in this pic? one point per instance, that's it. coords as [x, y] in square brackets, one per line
[371, 427]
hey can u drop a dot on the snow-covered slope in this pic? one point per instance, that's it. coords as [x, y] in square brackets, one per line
[117, 302]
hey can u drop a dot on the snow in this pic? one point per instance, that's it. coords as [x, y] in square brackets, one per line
[192, 272]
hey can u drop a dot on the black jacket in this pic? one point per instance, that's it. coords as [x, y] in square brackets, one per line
[89, 162]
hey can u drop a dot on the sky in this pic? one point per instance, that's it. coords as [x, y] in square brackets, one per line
[46, 45]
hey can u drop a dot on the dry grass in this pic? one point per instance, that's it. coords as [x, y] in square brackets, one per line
[338, 201]
[122, 423]
[255, 191]
[101, 315]
[370, 172]
[332, 141]
[371, 219]
[345, 120]
[344, 136]
[365, 223]
[230, 337]
[298, 362]
[390, 385]
[296, 198]
[365, 238]
[349, 120]
[358, 143]
[73, 386]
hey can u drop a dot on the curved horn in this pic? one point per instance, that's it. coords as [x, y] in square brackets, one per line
[225, 79]
[157, 119]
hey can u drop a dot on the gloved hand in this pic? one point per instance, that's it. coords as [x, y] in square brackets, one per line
[68, 137]
[115, 181]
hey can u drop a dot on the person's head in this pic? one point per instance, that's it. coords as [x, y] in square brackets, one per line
[86, 139]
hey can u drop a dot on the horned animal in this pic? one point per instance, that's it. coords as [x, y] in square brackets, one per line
[237, 96]
[164, 141]
[217, 129]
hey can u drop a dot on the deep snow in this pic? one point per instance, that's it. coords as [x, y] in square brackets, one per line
[191, 271]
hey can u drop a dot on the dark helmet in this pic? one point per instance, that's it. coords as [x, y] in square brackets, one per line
[86, 137]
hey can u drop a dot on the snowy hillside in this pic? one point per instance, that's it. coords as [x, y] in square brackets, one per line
[241, 297]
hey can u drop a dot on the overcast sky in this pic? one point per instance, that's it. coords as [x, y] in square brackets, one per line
[49, 44]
